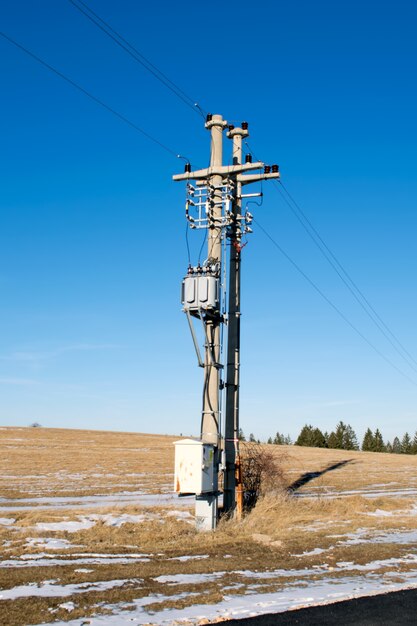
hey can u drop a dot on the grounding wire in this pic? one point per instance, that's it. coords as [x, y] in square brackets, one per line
[344, 276]
[135, 54]
[334, 307]
[89, 95]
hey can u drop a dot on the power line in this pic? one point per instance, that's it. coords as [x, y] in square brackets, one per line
[350, 279]
[89, 95]
[344, 275]
[135, 54]
[300, 215]
[334, 307]
[172, 152]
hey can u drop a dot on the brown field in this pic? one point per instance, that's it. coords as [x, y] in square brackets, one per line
[88, 527]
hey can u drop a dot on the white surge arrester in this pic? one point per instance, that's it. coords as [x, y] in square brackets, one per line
[194, 467]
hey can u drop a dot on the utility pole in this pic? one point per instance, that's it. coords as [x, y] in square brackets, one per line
[210, 422]
[232, 492]
[215, 204]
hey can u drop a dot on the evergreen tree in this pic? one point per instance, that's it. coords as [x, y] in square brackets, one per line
[318, 440]
[368, 441]
[279, 439]
[252, 438]
[379, 445]
[414, 445]
[350, 441]
[269, 440]
[396, 446]
[388, 447]
[309, 436]
[287, 441]
[340, 436]
[305, 437]
[406, 444]
[241, 435]
[332, 440]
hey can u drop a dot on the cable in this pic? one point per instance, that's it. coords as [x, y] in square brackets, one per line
[344, 276]
[350, 279]
[136, 55]
[334, 307]
[89, 95]
[187, 243]
[202, 246]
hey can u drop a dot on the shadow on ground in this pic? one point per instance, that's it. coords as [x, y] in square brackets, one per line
[309, 476]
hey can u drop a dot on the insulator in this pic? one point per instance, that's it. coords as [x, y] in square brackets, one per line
[190, 270]
[245, 125]
[275, 169]
[248, 158]
[187, 168]
[267, 169]
[209, 117]
[231, 127]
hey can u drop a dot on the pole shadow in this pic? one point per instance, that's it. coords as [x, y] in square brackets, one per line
[309, 476]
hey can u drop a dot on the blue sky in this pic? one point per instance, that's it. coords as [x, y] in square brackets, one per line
[92, 246]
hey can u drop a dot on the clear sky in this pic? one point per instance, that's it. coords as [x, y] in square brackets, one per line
[92, 245]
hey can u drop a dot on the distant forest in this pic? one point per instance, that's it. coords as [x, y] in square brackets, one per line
[343, 437]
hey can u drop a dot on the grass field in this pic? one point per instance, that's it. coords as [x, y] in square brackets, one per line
[90, 533]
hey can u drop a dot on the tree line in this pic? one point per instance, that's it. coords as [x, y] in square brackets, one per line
[343, 437]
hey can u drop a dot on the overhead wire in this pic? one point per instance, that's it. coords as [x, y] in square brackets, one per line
[331, 303]
[89, 95]
[130, 49]
[351, 281]
[123, 43]
[344, 275]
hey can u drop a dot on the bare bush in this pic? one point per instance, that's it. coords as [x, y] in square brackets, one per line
[261, 472]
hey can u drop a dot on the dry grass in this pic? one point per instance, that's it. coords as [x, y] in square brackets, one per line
[40, 461]
[283, 532]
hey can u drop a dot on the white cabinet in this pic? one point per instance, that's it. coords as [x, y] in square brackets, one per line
[194, 467]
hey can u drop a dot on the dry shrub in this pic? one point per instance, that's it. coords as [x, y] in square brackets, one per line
[261, 473]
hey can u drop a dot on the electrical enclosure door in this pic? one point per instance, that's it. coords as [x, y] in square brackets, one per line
[194, 467]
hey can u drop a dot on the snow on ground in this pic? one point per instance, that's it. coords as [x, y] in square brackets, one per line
[189, 557]
[7, 522]
[49, 589]
[293, 596]
[70, 527]
[329, 493]
[186, 579]
[49, 542]
[48, 560]
[88, 502]
[366, 535]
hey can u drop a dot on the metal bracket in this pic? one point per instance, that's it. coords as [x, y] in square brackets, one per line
[193, 335]
[209, 346]
[210, 350]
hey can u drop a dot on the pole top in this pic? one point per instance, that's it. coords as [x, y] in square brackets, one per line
[237, 132]
[215, 120]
